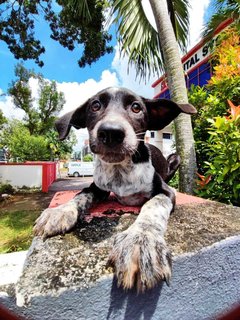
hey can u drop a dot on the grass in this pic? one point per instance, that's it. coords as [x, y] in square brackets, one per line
[16, 230]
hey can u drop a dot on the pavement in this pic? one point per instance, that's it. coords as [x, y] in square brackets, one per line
[70, 183]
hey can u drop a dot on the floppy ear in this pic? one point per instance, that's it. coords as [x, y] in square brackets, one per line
[76, 118]
[163, 111]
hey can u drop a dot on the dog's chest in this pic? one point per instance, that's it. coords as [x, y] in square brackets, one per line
[131, 183]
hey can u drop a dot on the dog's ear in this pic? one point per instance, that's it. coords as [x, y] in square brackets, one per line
[76, 118]
[163, 111]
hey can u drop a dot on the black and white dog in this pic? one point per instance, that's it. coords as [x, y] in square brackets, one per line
[135, 172]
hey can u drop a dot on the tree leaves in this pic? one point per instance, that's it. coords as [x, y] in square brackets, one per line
[76, 24]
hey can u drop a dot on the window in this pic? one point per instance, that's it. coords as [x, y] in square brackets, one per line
[167, 135]
[152, 134]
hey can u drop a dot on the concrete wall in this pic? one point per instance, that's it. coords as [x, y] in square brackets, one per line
[204, 285]
[21, 175]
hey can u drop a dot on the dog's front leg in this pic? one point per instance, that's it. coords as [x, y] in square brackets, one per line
[61, 219]
[140, 254]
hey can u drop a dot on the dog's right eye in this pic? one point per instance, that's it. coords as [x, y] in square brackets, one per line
[96, 106]
[135, 107]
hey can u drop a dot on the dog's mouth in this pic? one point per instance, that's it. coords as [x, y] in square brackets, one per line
[110, 154]
[112, 157]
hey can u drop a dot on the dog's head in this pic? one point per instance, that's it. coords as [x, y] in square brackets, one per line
[117, 120]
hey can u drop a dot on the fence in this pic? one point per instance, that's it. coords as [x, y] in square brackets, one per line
[28, 174]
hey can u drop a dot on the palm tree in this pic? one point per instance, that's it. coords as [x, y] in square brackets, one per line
[178, 91]
[153, 52]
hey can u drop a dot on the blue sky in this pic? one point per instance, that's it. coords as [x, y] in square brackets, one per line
[78, 84]
[59, 63]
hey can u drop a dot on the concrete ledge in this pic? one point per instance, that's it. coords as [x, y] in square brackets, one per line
[65, 277]
[204, 285]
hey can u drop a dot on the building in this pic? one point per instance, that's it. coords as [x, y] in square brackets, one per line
[198, 70]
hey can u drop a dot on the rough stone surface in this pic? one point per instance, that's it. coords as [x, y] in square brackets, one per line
[67, 275]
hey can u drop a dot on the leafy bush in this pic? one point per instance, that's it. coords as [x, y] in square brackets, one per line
[88, 158]
[211, 100]
[24, 146]
[217, 149]
[6, 188]
[174, 182]
[208, 106]
[222, 170]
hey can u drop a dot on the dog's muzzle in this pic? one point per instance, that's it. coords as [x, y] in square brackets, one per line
[111, 135]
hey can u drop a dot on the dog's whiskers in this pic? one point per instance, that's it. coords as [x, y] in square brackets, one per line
[139, 133]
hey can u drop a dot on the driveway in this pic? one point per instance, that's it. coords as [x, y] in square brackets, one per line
[70, 183]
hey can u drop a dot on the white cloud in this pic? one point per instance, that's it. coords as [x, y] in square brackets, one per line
[196, 17]
[8, 109]
[127, 76]
[77, 93]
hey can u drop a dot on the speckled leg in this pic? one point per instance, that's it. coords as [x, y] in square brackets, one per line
[63, 218]
[140, 255]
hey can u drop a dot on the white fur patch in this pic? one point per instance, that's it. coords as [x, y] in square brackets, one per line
[125, 179]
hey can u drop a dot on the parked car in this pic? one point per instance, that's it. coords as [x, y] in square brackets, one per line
[77, 169]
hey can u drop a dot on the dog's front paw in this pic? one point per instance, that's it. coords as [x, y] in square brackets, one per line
[141, 258]
[57, 220]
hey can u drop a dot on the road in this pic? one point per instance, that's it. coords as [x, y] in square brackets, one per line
[70, 183]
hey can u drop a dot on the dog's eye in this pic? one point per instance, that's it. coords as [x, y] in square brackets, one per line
[136, 108]
[96, 106]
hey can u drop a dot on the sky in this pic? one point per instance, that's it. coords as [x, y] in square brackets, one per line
[78, 84]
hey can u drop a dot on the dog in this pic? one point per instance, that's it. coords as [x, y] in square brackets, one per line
[137, 173]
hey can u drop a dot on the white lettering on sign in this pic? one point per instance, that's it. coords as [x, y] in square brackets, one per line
[199, 55]
[190, 63]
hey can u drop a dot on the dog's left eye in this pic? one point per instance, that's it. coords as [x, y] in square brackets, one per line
[96, 106]
[136, 108]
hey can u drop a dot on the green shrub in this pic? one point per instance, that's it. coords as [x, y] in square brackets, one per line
[174, 182]
[210, 101]
[6, 188]
[217, 147]
[223, 165]
[88, 158]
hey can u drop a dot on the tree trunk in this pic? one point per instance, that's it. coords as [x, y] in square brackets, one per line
[178, 91]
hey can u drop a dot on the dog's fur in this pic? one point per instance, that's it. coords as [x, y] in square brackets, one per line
[117, 120]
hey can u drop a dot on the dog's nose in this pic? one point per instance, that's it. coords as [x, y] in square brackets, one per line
[111, 134]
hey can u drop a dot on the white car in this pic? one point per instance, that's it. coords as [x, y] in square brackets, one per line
[77, 169]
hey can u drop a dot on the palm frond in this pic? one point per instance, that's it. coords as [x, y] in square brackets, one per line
[222, 10]
[139, 40]
[178, 10]
[81, 8]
